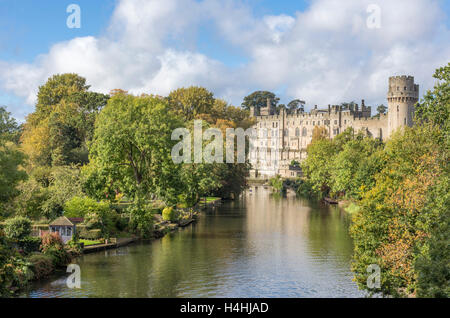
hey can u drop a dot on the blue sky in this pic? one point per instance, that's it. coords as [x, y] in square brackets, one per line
[29, 27]
[317, 50]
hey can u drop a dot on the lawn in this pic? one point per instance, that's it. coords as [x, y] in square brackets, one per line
[210, 199]
[90, 242]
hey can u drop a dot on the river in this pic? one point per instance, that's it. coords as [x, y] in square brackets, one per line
[262, 245]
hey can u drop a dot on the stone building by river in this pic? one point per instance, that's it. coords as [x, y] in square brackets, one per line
[283, 137]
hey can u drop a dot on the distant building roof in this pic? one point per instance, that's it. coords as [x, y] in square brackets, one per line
[76, 220]
[62, 221]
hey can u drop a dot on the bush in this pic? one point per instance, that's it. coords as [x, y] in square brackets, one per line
[18, 228]
[75, 247]
[52, 245]
[141, 219]
[81, 206]
[30, 244]
[170, 214]
[41, 265]
[97, 215]
[277, 183]
[90, 234]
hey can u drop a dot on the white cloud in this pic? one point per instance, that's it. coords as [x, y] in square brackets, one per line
[325, 54]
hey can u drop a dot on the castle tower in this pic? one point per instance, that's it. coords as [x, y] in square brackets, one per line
[403, 94]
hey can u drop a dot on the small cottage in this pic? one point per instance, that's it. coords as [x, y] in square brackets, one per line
[65, 227]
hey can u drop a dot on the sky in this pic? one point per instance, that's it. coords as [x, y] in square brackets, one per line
[321, 51]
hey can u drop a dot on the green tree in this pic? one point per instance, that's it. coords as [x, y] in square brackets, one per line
[435, 104]
[18, 228]
[132, 145]
[354, 168]
[58, 131]
[191, 101]
[11, 173]
[381, 109]
[317, 165]
[258, 99]
[9, 129]
[296, 104]
[393, 228]
[432, 264]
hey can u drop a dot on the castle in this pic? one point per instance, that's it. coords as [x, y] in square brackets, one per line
[283, 137]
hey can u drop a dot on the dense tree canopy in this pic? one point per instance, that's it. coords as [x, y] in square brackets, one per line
[435, 105]
[132, 144]
[295, 104]
[9, 128]
[191, 101]
[258, 99]
[58, 131]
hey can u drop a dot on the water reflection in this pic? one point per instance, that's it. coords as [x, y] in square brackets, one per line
[262, 245]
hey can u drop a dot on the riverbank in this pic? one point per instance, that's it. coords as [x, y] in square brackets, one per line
[50, 255]
[228, 252]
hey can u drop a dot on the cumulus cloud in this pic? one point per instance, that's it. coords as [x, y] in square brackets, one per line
[324, 55]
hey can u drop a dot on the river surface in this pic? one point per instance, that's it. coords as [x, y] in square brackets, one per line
[262, 245]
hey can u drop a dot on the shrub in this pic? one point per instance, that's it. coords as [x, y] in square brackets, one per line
[52, 245]
[170, 214]
[51, 239]
[18, 228]
[75, 247]
[81, 206]
[277, 183]
[41, 265]
[97, 215]
[92, 234]
[141, 219]
[30, 244]
[84, 233]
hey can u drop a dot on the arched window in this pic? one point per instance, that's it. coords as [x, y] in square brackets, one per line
[297, 132]
[304, 132]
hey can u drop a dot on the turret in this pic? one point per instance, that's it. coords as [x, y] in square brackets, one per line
[403, 94]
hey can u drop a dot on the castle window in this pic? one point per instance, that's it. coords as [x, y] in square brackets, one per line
[398, 88]
[297, 132]
[304, 132]
[314, 123]
[286, 132]
[404, 88]
[335, 121]
[397, 108]
[345, 121]
[405, 121]
[318, 123]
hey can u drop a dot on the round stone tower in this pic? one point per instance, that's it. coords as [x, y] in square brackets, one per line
[402, 96]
